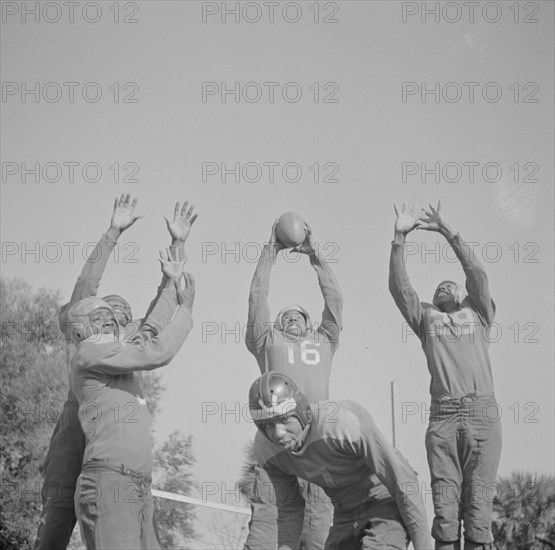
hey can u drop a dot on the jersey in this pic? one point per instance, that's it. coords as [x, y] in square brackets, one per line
[456, 345]
[306, 360]
[456, 349]
[112, 409]
[344, 453]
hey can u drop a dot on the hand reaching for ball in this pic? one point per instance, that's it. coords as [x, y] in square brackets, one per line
[291, 230]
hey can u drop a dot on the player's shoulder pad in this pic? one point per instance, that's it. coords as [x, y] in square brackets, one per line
[341, 419]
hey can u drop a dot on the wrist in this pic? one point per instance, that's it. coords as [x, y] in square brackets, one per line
[314, 257]
[446, 230]
[399, 237]
[179, 245]
[113, 232]
[271, 250]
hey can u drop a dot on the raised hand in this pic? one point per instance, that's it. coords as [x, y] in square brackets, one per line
[407, 219]
[183, 219]
[274, 243]
[308, 244]
[123, 217]
[172, 267]
[433, 220]
[186, 295]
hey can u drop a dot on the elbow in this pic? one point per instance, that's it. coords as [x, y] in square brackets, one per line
[160, 357]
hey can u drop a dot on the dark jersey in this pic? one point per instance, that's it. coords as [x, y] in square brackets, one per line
[345, 453]
[456, 345]
[306, 360]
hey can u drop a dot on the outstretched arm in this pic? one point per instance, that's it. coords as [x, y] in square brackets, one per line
[476, 278]
[289, 500]
[331, 291]
[399, 284]
[290, 506]
[143, 352]
[394, 471]
[362, 439]
[179, 228]
[89, 279]
[258, 322]
[165, 303]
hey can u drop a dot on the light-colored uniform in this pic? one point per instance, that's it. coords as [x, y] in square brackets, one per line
[463, 440]
[374, 492]
[65, 452]
[113, 500]
[307, 361]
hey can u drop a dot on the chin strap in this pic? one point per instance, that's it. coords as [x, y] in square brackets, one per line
[302, 438]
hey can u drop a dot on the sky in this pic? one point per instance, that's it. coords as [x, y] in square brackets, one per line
[333, 110]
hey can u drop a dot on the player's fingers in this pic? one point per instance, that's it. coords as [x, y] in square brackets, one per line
[396, 209]
[127, 199]
[176, 210]
[163, 255]
[184, 208]
[438, 204]
[193, 218]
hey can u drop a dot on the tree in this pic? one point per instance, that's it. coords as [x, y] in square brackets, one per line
[172, 464]
[32, 392]
[246, 483]
[524, 512]
[224, 529]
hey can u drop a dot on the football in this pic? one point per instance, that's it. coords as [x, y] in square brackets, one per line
[290, 229]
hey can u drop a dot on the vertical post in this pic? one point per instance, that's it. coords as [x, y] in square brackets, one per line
[393, 422]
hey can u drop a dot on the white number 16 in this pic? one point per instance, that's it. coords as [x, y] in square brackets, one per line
[309, 355]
